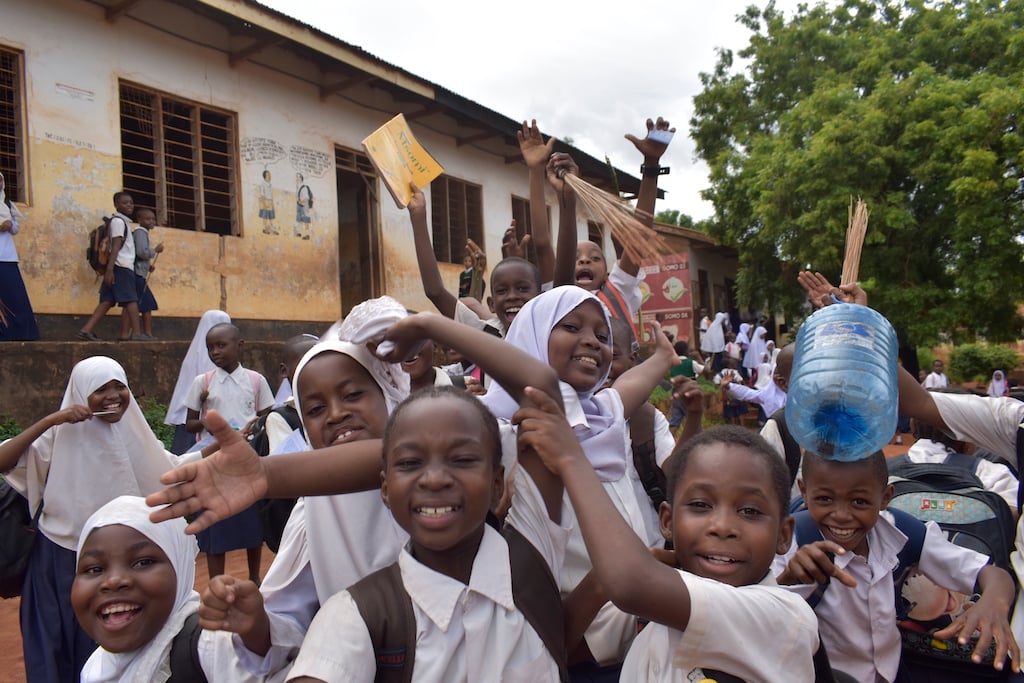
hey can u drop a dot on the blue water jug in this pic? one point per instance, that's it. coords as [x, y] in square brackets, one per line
[842, 399]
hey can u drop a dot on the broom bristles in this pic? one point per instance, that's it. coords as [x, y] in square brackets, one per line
[855, 231]
[639, 241]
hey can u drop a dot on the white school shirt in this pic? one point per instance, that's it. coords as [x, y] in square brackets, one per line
[232, 395]
[628, 286]
[935, 380]
[463, 632]
[759, 633]
[664, 441]
[218, 661]
[120, 227]
[771, 398]
[858, 625]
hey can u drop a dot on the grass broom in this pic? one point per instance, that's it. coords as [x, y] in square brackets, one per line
[638, 241]
[855, 231]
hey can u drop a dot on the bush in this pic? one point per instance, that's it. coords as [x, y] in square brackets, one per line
[977, 362]
[8, 427]
[155, 412]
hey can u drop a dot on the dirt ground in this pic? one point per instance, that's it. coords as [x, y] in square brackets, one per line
[12, 669]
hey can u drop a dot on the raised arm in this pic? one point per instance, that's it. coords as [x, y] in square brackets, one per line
[535, 154]
[636, 384]
[652, 146]
[565, 255]
[430, 274]
[631, 577]
[12, 449]
[511, 367]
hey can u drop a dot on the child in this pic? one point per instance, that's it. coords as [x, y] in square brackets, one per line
[291, 353]
[732, 408]
[18, 322]
[514, 281]
[713, 344]
[96, 447]
[144, 257]
[196, 362]
[442, 475]
[770, 399]
[936, 379]
[240, 395]
[118, 285]
[721, 609]
[421, 370]
[856, 615]
[691, 366]
[568, 329]
[133, 594]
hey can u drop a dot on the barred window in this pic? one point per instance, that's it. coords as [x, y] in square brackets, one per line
[456, 214]
[12, 133]
[178, 157]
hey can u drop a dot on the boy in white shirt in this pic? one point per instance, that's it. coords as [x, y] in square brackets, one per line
[857, 614]
[442, 474]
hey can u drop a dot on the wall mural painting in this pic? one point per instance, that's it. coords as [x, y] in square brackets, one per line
[266, 158]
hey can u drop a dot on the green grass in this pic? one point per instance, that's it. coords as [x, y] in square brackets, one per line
[154, 412]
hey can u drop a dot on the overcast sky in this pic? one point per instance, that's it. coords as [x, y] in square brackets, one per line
[585, 70]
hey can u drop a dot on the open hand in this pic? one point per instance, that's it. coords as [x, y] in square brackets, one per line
[990, 622]
[651, 149]
[221, 485]
[511, 245]
[531, 144]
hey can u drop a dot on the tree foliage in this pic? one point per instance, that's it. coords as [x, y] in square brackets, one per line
[977, 362]
[674, 217]
[911, 106]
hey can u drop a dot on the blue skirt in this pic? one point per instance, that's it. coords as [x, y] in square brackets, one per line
[55, 646]
[21, 321]
[239, 531]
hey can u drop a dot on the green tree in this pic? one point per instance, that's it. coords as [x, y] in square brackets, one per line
[674, 217]
[911, 106]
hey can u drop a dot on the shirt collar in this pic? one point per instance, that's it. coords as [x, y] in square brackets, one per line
[885, 542]
[437, 595]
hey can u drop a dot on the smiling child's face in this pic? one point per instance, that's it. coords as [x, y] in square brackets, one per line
[340, 401]
[844, 499]
[578, 348]
[513, 283]
[725, 519]
[591, 267]
[440, 479]
[113, 397]
[124, 588]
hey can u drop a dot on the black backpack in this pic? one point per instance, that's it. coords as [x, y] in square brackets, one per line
[98, 253]
[273, 512]
[185, 665]
[18, 533]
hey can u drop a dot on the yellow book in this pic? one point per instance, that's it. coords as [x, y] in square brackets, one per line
[400, 159]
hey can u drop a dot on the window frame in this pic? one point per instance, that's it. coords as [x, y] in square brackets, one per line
[448, 196]
[13, 127]
[199, 158]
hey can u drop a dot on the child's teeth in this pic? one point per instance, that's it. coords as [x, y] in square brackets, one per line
[587, 359]
[841, 533]
[436, 511]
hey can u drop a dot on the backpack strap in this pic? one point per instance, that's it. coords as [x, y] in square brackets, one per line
[790, 447]
[611, 297]
[185, 665]
[535, 593]
[641, 434]
[386, 609]
[1020, 465]
[806, 531]
[255, 378]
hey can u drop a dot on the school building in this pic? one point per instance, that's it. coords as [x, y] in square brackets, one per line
[242, 127]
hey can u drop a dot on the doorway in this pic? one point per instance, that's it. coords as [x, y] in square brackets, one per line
[359, 264]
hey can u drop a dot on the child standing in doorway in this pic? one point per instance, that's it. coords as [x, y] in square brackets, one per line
[240, 395]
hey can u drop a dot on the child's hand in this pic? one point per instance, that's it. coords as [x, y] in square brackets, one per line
[820, 291]
[159, 248]
[989, 619]
[543, 428]
[235, 605]
[221, 485]
[651, 149]
[531, 144]
[688, 391]
[71, 415]
[812, 564]
[476, 253]
[408, 338]
[511, 245]
[663, 347]
[559, 164]
[417, 205]
[474, 386]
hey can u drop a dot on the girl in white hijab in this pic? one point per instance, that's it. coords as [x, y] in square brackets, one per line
[96, 447]
[713, 343]
[159, 578]
[756, 349]
[998, 386]
[196, 362]
[18, 322]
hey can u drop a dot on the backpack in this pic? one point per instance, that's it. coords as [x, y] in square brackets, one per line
[790, 447]
[273, 512]
[641, 434]
[99, 251]
[184, 657]
[254, 377]
[386, 608]
[18, 533]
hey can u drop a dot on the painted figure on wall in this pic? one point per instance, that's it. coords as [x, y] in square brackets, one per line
[266, 203]
[303, 204]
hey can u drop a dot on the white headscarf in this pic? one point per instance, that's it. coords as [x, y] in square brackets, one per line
[151, 662]
[741, 336]
[601, 431]
[6, 212]
[756, 349]
[714, 338]
[93, 461]
[998, 387]
[197, 361]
